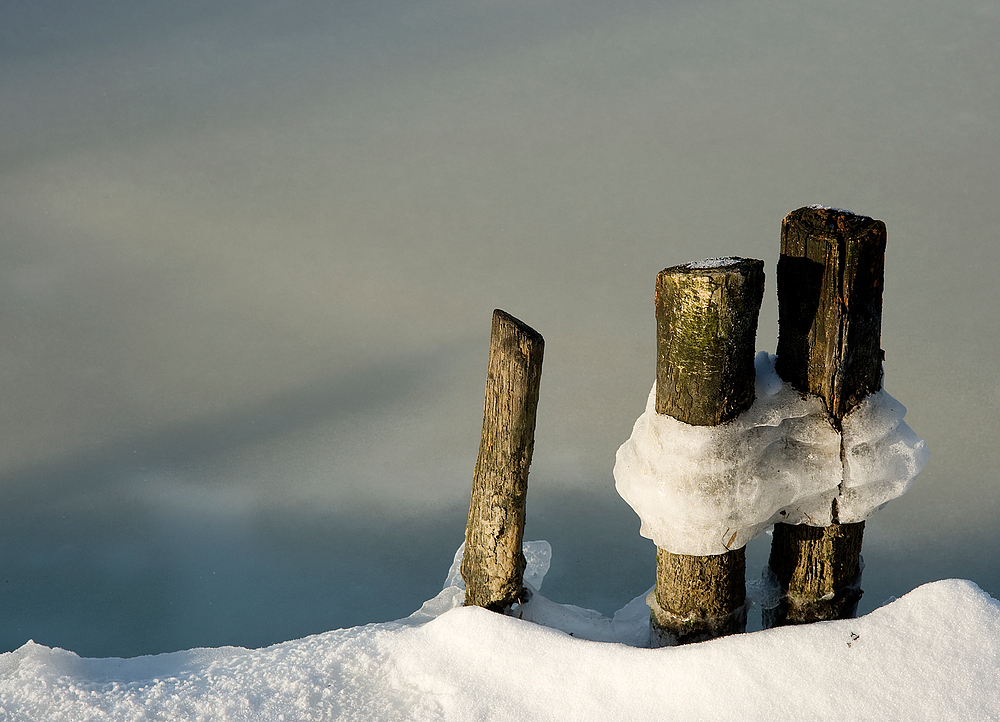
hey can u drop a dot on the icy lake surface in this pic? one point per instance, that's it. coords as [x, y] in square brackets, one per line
[250, 253]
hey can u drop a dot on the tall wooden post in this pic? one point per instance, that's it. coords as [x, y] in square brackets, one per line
[493, 563]
[706, 325]
[830, 277]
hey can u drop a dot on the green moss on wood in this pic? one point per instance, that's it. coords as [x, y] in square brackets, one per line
[706, 323]
[706, 326]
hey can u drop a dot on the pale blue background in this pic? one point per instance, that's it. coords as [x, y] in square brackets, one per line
[250, 251]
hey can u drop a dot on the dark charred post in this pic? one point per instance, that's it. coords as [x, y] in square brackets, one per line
[706, 325]
[830, 277]
[493, 563]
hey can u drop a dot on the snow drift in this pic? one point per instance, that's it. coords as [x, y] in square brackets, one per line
[933, 654]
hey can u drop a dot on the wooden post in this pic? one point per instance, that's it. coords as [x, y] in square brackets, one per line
[493, 563]
[830, 277]
[706, 325]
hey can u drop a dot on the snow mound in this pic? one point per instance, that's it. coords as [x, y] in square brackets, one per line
[704, 490]
[932, 654]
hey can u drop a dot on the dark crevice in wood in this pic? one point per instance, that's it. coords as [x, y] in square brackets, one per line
[830, 280]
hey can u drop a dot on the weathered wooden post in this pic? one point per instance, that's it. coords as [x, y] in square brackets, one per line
[706, 324]
[830, 277]
[493, 563]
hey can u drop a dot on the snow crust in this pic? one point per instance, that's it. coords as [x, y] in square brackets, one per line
[703, 490]
[710, 263]
[933, 654]
[818, 207]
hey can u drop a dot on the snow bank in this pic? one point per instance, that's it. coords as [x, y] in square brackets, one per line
[933, 654]
[704, 490]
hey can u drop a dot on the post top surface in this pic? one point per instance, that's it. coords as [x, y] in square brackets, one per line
[827, 221]
[501, 316]
[715, 266]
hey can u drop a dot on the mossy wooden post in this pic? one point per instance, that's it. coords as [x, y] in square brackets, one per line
[706, 325]
[830, 277]
[493, 563]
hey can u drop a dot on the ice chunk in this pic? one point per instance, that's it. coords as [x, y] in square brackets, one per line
[882, 457]
[537, 554]
[454, 578]
[447, 599]
[630, 626]
[573, 620]
[765, 591]
[631, 623]
[704, 490]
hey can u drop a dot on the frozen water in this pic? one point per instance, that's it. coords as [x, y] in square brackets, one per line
[251, 250]
[882, 457]
[537, 557]
[630, 625]
[704, 490]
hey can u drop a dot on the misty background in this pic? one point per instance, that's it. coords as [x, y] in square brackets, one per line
[250, 252]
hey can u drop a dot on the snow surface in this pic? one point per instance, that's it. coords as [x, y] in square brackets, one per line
[819, 207]
[706, 489]
[933, 654]
[709, 263]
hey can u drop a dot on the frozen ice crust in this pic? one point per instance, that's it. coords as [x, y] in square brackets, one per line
[704, 490]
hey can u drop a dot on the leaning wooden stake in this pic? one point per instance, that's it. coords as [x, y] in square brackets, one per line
[493, 563]
[706, 324]
[830, 277]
